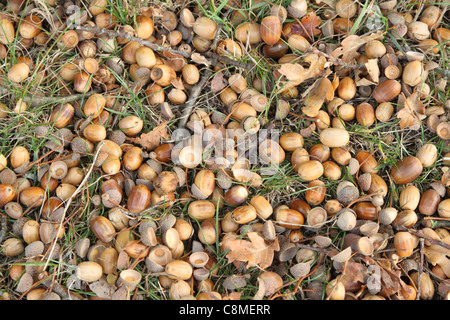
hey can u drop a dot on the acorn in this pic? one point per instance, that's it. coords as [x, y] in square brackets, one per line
[418, 30]
[205, 28]
[289, 218]
[204, 184]
[406, 170]
[190, 74]
[163, 75]
[429, 202]
[367, 162]
[299, 156]
[430, 15]
[89, 271]
[414, 73]
[404, 244]
[30, 26]
[310, 170]
[409, 198]
[62, 115]
[387, 91]
[315, 192]
[145, 57]
[18, 72]
[298, 42]
[201, 209]
[102, 228]
[365, 114]
[442, 35]
[291, 141]
[94, 132]
[346, 8]
[32, 197]
[262, 206]
[229, 47]
[270, 29]
[331, 170]
[178, 270]
[13, 247]
[334, 137]
[133, 159]
[7, 193]
[236, 195]
[427, 154]
[444, 208]
[346, 219]
[319, 152]
[384, 111]
[7, 32]
[82, 82]
[248, 32]
[138, 199]
[143, 26]
[377, 185]
[346, 89]
[271, 152]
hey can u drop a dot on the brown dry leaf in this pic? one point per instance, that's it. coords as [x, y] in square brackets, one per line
[355, 272]
[199, 59]
[318, 95]
[298, 74]
[308, 26]
[369, 76]
[351, 44]
[218, 82]
[412, 113]
[178, 83]
[256, 252]
[152, 139]
[233, 296]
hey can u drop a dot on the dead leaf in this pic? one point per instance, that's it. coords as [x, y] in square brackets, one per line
[319, 94]
[307, 26]
[347, 52]
[102, 288]
[152, 139]
[199, 59]
[178, 83]
[256, 252]
[261, 290]
[233, 296]
[369, 76]
[218, 82]
[295, 73]
[412, 113]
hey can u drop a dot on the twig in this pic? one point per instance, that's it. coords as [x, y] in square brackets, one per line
[195, 92]
[420, 268]
[81, 186]
[4, 227]
[156, 47]
[39, 99]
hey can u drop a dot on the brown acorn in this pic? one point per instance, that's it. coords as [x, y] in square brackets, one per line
[6, 194]
[103, 228]
[406, 170]
[387, 91]
[138, 199]
[62, 115]
[270, 30]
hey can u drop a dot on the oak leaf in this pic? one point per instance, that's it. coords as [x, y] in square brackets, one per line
[256, 252]
[308, 26]
[218, 82]
[199, 59]
[152, 139]
[348, 49]
[412, 113]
